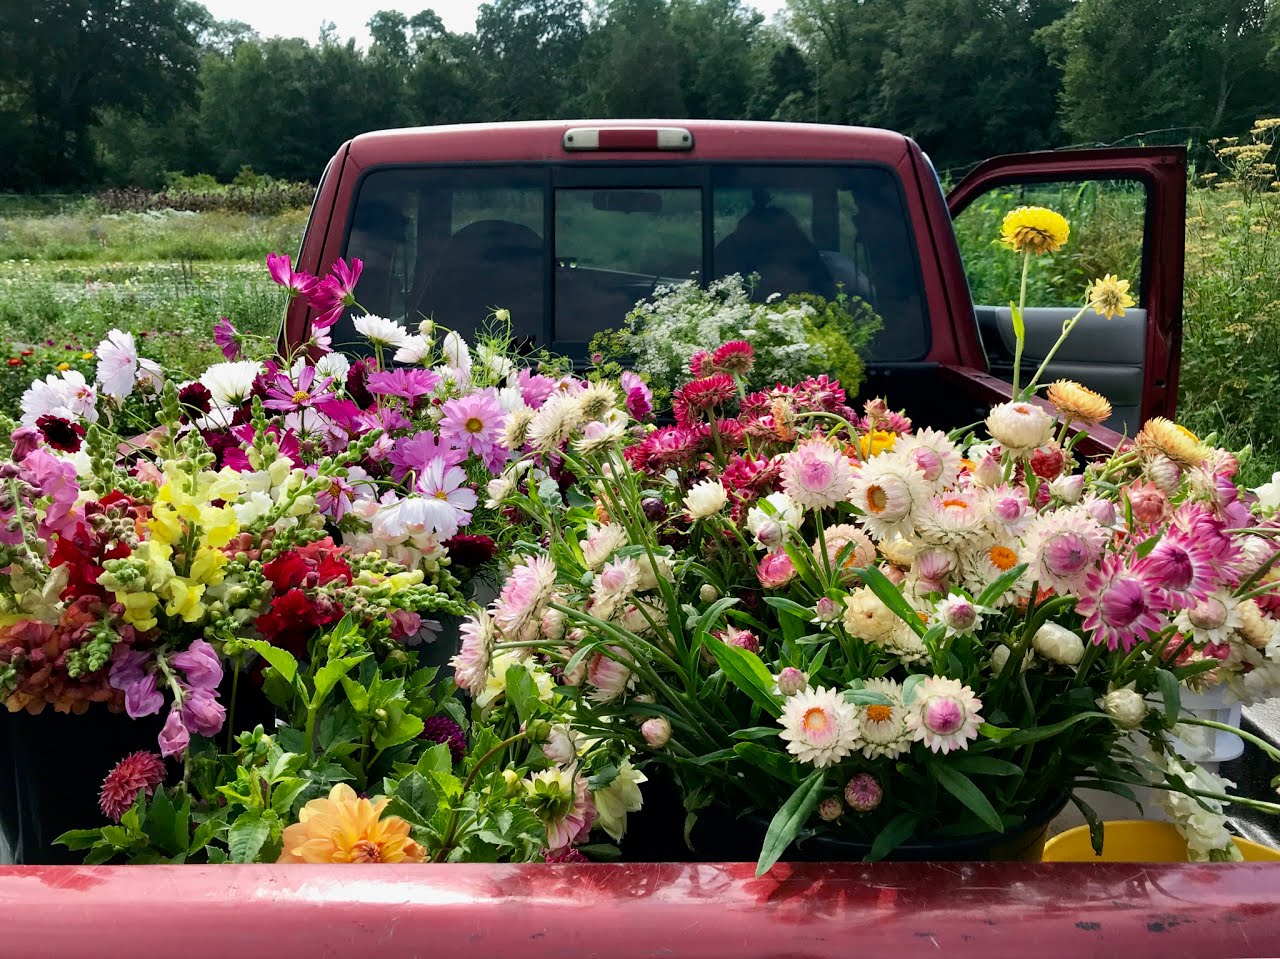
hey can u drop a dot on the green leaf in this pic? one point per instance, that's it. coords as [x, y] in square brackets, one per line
[758, 732]
[580, 656]
[891, 597]
[866, 697]
[436, 759]
[247, 835]
[407, 727]
[79, 838]
[357, 694]
[1035, 734]
[896, 831]
[994, 732]
[718, 756]
[962, 787]
[1095, 824]
[712, 614]
[331, 674]
[1019, 327]
[281, 661]
[1172, 693]
[909, 687]
[777, 764]
[789, 820]
[1147, 545]
[205, 832]
[522, 691]
[746, 671]
[984, 765]
[1000, 585]
[284, 793]
[782, 604]
[418, 796]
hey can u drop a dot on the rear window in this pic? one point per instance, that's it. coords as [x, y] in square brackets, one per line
[569, 258]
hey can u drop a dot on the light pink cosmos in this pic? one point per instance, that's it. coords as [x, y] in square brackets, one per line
[474, 423]
[447, 484]
[409, 384]
[776, 570]
[1120, 607]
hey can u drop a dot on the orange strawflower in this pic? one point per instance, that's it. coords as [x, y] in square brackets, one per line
[346, 828]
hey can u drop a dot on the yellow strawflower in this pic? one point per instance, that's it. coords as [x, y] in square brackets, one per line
[1109, 296]
[876, 442]
[1034, 229]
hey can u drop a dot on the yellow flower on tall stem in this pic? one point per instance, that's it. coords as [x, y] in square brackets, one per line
[1031, 231]
[346, 828]
[1109, 296]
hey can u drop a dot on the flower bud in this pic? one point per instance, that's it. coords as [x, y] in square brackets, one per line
[791, 681]
[863, 793]
[1165, 473]
[560, 746]
[826, 610]
[1126, 708]
[770, 534]
[537, 730]
[988, 472]
[999, 658]
[1068, 488]
[1047, 462]
[1058, 644]
[708, 593]
[830, 809]
[511, 781]
[656, 732]
[427, 327]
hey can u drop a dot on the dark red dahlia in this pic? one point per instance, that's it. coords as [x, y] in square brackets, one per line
[470, 552]
[61, 434]
[442, 729]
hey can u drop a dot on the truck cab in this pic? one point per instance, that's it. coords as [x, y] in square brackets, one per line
[567, 224]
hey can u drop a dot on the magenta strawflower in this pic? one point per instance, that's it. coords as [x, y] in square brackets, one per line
[1181, 567]
[473, 423]
[736, 357]
[699, 396]
[227, 338]
[1120, 606]
[639, 398]
[863, 792]
[138, 772]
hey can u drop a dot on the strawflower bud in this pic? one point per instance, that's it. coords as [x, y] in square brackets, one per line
[863, 793]
[656, 732]
[830, 809]
[1126, 708]
[791, 681]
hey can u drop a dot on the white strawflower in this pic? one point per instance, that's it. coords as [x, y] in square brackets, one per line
[1211, 620]
[1125, 706]
[933, 454]
[601, 542]
[659, 569]
[1058, 644]
[819, 727]
[944, 714]
[554, 423]
[705, 499]
[783, 512]
[890, 492]
[1019, 427]
[883, 729]
[117, 364]
[602, 434]
[816, 474]
[959, 614]
[596, 400]
[416, 348]
[868, 619]
[381, 331]
[230, 384]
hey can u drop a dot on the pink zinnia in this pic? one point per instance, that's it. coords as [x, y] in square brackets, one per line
[138, 772]
[280, 266]
[473, 423]
[1120, 606]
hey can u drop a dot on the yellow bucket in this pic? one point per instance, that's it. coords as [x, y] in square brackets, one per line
[1137, 840]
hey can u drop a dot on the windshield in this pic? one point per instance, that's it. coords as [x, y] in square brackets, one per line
[568, 258]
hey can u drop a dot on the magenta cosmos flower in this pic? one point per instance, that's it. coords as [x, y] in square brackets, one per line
[298, 283]
[285, 393]
[410, 385]
[1120, 607]
[330, 296]
[473, 423]
[412, 454]
[227, 338]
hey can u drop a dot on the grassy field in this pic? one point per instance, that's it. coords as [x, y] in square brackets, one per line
[69, 276]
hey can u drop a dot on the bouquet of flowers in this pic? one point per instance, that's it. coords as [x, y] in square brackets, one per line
[832, 622]
[800, 335]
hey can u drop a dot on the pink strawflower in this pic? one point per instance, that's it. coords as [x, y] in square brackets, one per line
[816, 475]
[863, 792]
[280, 266]
[410, 384]
[944, 715]
[742, 638]
[609, 677]
[519, 608]
[1064, 547]
[776, 570]
[1181, 568]
[700, 363]
[736, 357]
[697, 397]
[1120, 607]
[471, 664]
[227, 338]
[1148, 503]
[136, 773]
[473, 423]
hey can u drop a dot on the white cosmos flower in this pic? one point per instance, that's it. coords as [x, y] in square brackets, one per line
[457, 357]
[415, 349]
[117, 363]
[380, 331]
[230, 383]
[1269, 493]
[333, 365]
[69, 396]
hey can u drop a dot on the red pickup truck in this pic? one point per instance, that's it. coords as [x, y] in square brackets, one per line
[568, 224]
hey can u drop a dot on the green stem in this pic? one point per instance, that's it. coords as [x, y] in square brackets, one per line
[1067, 327]
[231, 711]
[1020, 332]
[1262, 744]
[450, 833]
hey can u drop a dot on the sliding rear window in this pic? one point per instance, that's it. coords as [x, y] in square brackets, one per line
[569, 259]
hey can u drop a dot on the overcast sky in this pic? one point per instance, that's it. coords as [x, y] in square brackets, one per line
[275, 18]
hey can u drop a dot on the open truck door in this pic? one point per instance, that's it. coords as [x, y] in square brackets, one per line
[1127, 209]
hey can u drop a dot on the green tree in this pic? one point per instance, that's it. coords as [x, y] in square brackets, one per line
[64, 62]
[718, 41]
[636, 59]
[531, 52]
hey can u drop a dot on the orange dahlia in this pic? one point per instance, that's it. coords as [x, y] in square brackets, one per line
[346, 828]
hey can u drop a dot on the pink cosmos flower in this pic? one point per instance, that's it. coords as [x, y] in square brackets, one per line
[227, 338]
[118, 363]
[474, 423]
[413, 453]
[776, 570]
[1120, 607]
[284, 393]
[335, 292]
[336, 499]
[280, 266]
[535, 388]
[410, 384]
[639, 399]
[446, 484]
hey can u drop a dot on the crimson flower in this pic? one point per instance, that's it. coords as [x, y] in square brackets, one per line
[61, 434]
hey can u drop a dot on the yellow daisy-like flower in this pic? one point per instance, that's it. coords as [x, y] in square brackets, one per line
[1034, 229]
[345, 828]
[1078, 403]
[1109, 296]
[876, 442]
[1159, 435]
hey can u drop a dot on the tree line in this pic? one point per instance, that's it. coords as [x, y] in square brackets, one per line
[118, 92]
